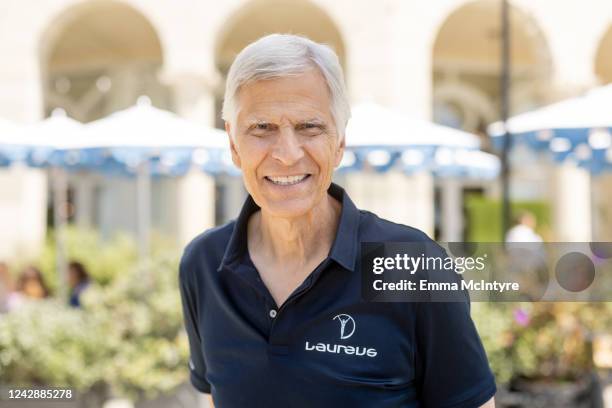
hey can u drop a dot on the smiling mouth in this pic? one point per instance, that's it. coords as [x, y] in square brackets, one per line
[287, 180]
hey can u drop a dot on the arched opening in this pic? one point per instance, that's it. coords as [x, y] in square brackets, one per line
[92, 67]
[466, 66]
[262, 17]
[603, 60]
[96, 58]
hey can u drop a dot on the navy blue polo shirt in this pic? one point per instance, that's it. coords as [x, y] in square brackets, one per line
[324, 346]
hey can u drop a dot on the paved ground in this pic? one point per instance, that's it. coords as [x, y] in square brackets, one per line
[203, 404]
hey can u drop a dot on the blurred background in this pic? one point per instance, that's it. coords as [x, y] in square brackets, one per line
[112, 158]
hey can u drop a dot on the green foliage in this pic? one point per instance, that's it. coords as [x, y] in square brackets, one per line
[484, 216]
[128, 334]
[103, 259]
[540, 341]
[144, 307]
[495, 325]
[44, 342]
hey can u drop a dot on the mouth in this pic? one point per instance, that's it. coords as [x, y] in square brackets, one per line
[287, 180]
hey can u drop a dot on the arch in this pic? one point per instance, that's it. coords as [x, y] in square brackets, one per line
[261, 17]
[92, 68]
[603, 59]
[467, 51]
[471, 106]
[471, 33]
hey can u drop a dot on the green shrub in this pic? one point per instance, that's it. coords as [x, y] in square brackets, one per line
[44, 342]
[144, 307]
[484, 217]
[103, 259]
[540, 341]
[128, 334]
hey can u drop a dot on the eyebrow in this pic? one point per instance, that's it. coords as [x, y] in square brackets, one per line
[251, 123]
[315, 120]
[318, 123]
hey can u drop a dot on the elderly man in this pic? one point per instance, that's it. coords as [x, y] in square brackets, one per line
[272, 300]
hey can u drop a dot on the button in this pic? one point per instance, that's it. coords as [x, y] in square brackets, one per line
[272, 313]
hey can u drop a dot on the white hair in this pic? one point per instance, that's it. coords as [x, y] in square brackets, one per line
[281, 55]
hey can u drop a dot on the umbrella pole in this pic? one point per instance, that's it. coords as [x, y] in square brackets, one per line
[144, 209]
[505, 110]
[60, 192]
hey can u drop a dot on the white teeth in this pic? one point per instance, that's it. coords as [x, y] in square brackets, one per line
[285, 181]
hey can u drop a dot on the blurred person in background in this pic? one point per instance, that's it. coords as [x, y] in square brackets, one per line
[272, 301]
[523, 229]
[78, 280]
[30, 286]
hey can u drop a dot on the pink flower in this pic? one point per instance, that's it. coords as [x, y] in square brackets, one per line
[521, 317]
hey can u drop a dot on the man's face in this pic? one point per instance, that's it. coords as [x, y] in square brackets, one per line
[285, 142]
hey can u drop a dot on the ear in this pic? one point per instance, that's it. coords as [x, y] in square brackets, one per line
[339, 152]
[233, 149]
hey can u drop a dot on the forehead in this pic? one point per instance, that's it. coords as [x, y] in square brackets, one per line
[294, 96]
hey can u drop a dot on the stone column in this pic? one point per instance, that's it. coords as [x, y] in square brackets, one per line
[452, 211]
[602, 209]
[395, 196]
[23, 192]
[193, 99]
[195, 205]
[235, 194]
[23, 210]
[572, 204]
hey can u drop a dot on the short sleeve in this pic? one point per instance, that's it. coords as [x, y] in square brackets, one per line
[451, 363]
[197, 366]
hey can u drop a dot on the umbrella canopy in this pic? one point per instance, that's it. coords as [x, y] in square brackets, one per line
[8, 148]
[35, 143]
[577, 128]
[118, 143]
[375, 125]
[384, 139]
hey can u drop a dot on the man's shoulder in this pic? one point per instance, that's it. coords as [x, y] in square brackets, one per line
[377, 229]
[210, 244]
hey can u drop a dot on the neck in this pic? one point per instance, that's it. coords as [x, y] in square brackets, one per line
[296, 240]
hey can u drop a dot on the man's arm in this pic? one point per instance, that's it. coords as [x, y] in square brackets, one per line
[197, 364]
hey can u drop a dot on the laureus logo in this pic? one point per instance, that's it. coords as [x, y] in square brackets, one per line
[347, 325]
[347, 328]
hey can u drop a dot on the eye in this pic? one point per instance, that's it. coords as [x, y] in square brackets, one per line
[310, 128]
[261, 128]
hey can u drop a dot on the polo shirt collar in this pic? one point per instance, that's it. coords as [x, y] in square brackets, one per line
[343, 250]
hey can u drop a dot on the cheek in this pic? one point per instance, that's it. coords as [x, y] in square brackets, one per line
[324, 155]
[251, 156]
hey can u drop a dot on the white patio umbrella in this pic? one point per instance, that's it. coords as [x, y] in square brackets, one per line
[381, 136]
[135, 134]
[577, 127]
[7, 131]
[373, 124]
[132, 136]
[8, 135]
[591, 110]
[387, 139]
[40, 139]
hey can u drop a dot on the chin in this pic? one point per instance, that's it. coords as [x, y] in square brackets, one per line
[290, 208]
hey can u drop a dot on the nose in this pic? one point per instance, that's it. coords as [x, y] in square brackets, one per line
[287, 148]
